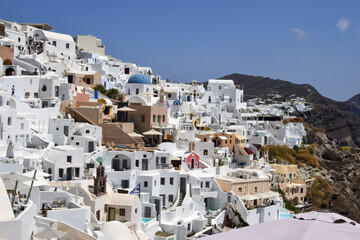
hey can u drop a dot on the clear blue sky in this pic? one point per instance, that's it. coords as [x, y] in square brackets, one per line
[315, 42]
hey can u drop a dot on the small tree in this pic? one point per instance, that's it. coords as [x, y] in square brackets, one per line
[100, 88]
[112, 93]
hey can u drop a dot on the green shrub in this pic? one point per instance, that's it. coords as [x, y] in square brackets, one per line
[345, 148]
[294, 156]
[112, 93]
[294, 120]
[100, 88]
[320, 193]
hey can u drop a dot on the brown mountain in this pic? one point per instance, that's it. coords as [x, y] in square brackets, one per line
[337, 119]
[354, 104]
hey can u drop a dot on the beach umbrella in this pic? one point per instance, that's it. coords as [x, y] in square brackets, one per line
[38, 174]
[126, 109]
[305, 226]
[10, 179]
[10, 150]
[153, 132]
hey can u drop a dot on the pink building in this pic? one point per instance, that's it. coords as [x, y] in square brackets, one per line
[193, 160]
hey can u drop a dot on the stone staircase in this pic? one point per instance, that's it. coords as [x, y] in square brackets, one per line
[181, 198]
[111, 132]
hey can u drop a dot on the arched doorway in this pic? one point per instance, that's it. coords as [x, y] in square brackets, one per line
[7, 62]
[9, 72]
[121, 162]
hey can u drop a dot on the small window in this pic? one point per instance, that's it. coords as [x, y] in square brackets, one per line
[87, 131]
[169, 95]
[155, 183]
[201, 184]
[162, 181]
[9, 121]
[122, 211]
[137, 91]
[240, 190]
[49, 171]
[67, 46]
[207, 184]
[205, 152]
[135, 210]
[171, 198]
[137, 163]
[154, 118]
[22, 128]
[56, 91]
[157, 159]
[143, 118]
[163, 118]
[163, 159]
[145, 184]
[68, 159]
[54, 43]
[77, 143]
[256, 189]
[171, 181]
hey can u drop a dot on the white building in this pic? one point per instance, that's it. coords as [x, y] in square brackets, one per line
[65, 163]
[55, 42]
[13, 126]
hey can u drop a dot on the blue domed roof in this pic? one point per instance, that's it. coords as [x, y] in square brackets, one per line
[139, 79]
[176, 102]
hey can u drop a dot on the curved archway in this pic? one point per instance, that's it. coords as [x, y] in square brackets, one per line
[121, 162]
[9, 71]
[7, 62]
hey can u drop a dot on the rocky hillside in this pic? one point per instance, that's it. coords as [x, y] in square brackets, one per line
[341, 168]
[329, 120]
[337, 119]
[354, 104]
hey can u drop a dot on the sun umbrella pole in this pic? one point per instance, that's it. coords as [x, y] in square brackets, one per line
[13, 194]
[32, 183]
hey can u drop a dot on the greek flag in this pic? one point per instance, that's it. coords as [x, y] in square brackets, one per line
[136, 190]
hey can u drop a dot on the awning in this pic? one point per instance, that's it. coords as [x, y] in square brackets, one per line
[134, 134]
[174, 158]
[261, 195]
[147, 93]
[248, 197]
[271, 193]
[64, 184]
